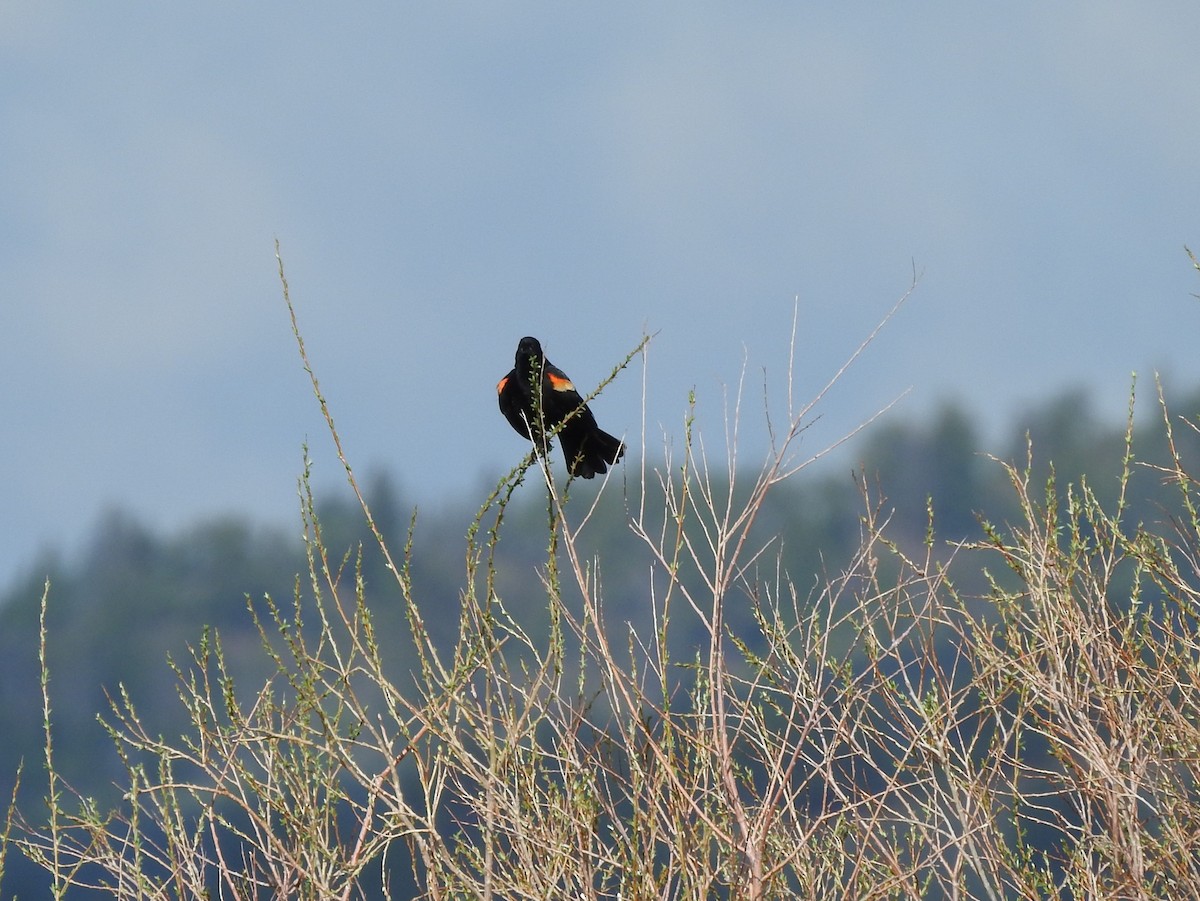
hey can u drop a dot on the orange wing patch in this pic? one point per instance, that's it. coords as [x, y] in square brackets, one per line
[560, 383]
[501, 384]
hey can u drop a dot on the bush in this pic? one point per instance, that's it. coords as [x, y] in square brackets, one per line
[884, 734]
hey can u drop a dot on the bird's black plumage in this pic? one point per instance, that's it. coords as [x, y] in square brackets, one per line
[535, 382]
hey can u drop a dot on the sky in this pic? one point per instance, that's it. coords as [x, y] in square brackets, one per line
[443, 179]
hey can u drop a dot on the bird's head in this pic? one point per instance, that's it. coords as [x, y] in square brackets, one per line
[529, 351]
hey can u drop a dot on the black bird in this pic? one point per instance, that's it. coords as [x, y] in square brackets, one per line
[588, 449]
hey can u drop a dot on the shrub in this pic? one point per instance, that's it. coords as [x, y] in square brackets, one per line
[883, 734]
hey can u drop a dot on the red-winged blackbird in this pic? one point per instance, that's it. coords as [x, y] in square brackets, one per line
[587, 448]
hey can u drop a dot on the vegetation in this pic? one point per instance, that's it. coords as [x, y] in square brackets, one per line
[725, 683]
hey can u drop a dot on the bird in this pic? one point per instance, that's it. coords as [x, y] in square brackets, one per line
[535, 382]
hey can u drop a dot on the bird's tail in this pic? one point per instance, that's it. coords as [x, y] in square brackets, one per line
[591, 452]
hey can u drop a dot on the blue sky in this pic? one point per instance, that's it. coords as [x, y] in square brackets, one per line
[445, 179]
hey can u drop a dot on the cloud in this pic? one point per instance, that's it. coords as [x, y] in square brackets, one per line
[155, 229]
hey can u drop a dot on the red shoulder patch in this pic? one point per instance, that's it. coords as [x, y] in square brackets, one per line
[500, 385]
[560, 382]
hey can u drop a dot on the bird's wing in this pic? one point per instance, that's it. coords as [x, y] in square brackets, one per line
[511, 400]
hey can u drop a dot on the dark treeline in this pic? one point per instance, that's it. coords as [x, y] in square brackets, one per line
[132, 599]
